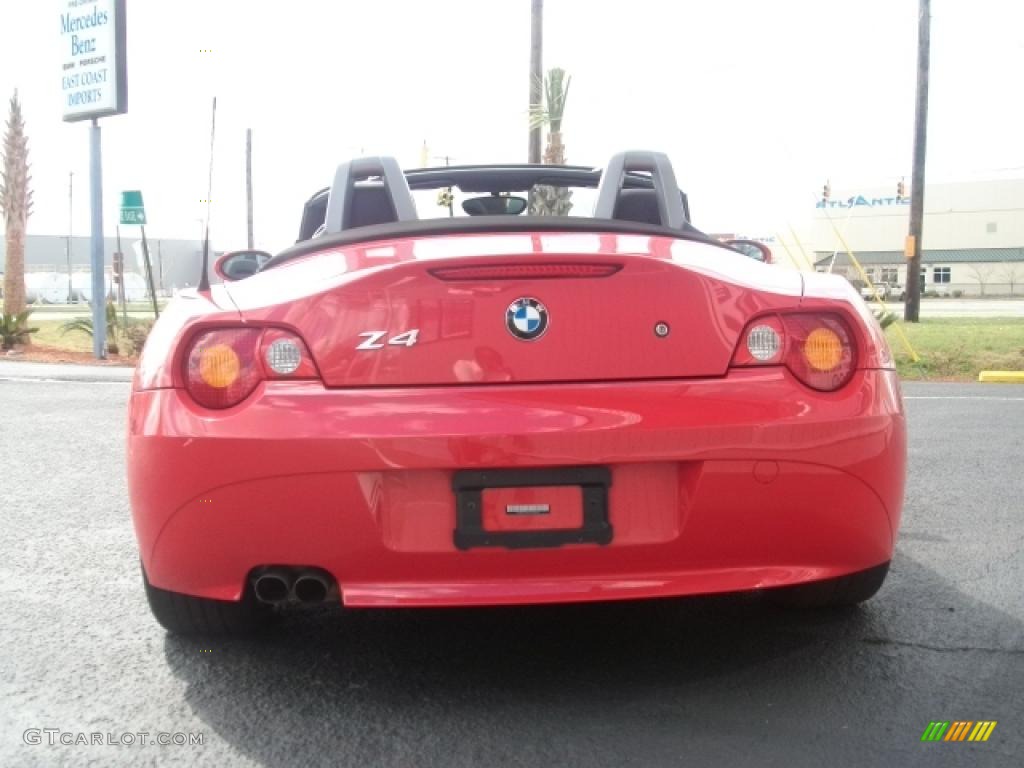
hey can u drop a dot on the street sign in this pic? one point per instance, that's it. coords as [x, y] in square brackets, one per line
[132, 210]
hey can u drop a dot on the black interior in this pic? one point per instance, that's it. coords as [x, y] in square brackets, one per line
[638, 205]
[371, 204]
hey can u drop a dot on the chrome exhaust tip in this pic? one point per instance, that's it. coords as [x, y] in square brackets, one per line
[271, 588]
[311, 588]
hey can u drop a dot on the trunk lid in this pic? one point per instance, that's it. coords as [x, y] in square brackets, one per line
[443, 311]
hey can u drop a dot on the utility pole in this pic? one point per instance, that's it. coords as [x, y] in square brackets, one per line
[248, 182]
[71, 210]
[536, 72]
[912, 309]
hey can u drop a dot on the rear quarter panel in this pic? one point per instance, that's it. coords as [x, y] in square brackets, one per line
[156, 367]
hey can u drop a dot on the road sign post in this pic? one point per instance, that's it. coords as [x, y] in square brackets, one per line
[133, 212]
[119, 267]
[149, 272]
[119, 284]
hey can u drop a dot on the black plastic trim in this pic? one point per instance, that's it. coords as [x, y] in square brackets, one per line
[485, 225]
[470, 484]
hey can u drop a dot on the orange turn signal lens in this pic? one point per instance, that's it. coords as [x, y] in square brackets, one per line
[823, 349]
[222, 368]
[219, 366]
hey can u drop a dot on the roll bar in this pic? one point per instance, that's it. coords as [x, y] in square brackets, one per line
[670, 202]
[339, 200]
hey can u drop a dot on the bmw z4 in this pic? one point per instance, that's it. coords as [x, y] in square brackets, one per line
[568, 394]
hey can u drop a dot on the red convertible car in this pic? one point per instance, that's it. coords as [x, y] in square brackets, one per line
[568, 394]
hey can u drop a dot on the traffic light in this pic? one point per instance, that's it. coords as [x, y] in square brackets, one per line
[118, 267]
[901, 190]
[826, 192]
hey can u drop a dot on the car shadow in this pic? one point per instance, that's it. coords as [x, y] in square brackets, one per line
[716, 678]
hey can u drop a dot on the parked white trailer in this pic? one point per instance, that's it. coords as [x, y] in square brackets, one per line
[46, 287]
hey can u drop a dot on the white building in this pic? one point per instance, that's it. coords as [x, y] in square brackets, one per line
[52, 276]
[973, 240]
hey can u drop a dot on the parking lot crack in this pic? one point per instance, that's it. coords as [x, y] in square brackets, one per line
[940, 648]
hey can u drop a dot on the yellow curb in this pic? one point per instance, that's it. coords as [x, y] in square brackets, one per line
[1007, 377]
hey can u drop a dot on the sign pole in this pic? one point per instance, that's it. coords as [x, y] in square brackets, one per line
[248, 186]
[149, 271]
[119, 268]
[71, 213]
[99, 288]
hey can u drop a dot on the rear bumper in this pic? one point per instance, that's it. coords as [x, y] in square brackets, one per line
[720, 485]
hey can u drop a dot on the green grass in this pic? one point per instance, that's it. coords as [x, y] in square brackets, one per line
[49, 334]
[76, 310]
[959, 347]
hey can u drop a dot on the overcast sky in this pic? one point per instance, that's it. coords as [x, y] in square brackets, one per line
[756, 102]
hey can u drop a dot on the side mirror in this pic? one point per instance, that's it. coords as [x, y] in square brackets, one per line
[238, 265]
[752, 249]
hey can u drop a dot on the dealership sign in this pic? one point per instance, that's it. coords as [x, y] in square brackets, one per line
[860, 200]
[94, 80]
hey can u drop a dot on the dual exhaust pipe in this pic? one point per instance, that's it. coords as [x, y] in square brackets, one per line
[307, 586]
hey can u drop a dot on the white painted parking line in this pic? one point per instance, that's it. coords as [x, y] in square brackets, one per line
[961, 397]
[39, 380]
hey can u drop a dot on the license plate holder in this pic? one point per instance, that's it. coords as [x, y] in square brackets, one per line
[469, 486]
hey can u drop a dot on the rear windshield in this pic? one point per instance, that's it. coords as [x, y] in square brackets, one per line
[539, 200]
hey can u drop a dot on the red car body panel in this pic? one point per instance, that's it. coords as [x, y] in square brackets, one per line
[723, 478]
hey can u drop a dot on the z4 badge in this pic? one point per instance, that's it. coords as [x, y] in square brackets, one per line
[373, 339]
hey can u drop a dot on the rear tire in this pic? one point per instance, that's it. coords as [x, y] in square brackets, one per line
[833, 593]
[187, 615]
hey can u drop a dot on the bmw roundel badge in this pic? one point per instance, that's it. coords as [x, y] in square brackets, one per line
[526, 319]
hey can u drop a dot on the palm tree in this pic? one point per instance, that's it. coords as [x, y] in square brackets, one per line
[552, 112]
[548, 200]
[536, 51]
[16, 205]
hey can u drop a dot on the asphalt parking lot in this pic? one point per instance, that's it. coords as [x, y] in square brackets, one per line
[722, 682]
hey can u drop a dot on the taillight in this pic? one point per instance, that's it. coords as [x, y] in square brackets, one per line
[762, 343]
[285, 356]
[818, 348]
[822, 351]
[222, 366]
[225, 365]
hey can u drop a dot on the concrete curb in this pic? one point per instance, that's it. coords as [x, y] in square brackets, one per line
[1005, 377]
